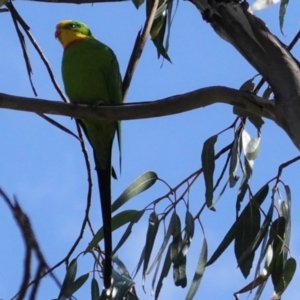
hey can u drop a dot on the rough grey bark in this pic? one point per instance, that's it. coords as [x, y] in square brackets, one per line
[251, 37]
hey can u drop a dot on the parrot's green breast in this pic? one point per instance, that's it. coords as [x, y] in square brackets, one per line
[90, 73]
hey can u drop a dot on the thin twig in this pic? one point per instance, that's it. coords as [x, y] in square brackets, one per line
[38, 276]
[283, 166]
[47, 65]
[138, 48]
[15, 17]
[59, 126]
[31, 245]
[89, 193]
[26, 273]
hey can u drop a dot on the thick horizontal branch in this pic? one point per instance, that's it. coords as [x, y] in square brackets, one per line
[163, 107]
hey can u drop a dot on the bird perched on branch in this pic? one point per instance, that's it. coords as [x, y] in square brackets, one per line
[91, 75]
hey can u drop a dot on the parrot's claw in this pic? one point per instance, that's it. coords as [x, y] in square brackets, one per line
[98, 103]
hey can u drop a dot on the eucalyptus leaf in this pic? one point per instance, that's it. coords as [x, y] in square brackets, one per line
[208, 165]
[248, 229]
[282, 12]
[258, 198]
[234, 162]
[95, 291]
[288, 274]
[121, 267]
[69, 279]
[164, 273]
[121, 285]
[150, 238]
[277, 241]
[117, 221]
[189, 229]
[138, 3]
[128, 230]
[259, 237]
[199, 272]
[165, 242]
[78, 283]
[252, 149]
[141, 184]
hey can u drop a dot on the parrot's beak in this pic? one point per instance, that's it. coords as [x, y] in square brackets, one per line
[57, 33]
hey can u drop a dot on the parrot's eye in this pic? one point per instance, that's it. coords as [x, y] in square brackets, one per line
[72, 26]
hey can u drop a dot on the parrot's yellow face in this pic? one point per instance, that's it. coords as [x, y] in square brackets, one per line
[68, 32]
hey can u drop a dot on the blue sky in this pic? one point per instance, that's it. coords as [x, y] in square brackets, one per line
[43, 167]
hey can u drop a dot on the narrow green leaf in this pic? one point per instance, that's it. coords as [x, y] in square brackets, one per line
[95, 291]
[248, 229]
[69, 278]
[259, 237]
[154, 277]
[121, 285]
[138, 3]
[177, 225]
[158, 28]
[179, 272]
[288, 193]
[121, 267]
[277, 241]
[128, 230]
[241, 193]
[159, 35]
[165, 242]
[164, 273]
[282, 11]
[208, 164]
[170, 18]
[252, 149]
[288, 274]
[277, 234]
[287, 215]
[189, 228]
[117, 221]
[78, 283]
[234, 162]
[176, 255]
[259, 291]
[161, 9]
[139, 264]
[150, 238]
[199, 272]
[258, 198]
[141, 184]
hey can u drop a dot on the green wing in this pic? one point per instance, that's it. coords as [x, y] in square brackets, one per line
[91, 76]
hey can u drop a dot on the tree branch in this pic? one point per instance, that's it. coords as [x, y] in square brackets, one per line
[140, 110]
[264, 51]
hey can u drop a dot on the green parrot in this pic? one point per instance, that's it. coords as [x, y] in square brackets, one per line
[91, 75]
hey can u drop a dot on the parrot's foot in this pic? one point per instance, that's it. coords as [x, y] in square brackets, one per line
[99, 103]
